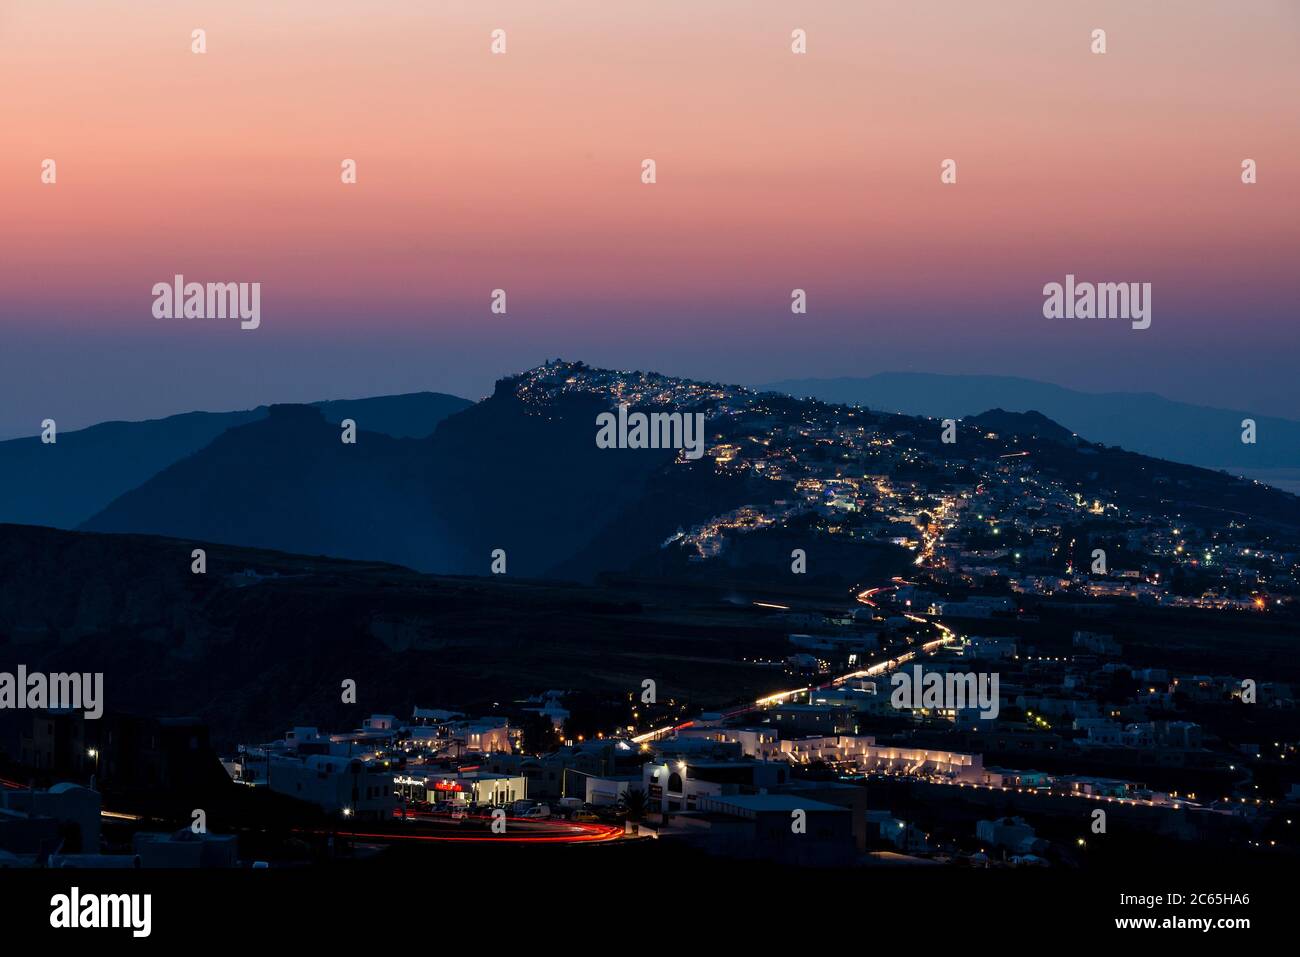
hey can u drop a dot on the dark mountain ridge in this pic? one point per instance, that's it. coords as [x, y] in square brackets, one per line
[263, 640]
[1139, 421]
[66, 483]
[521, 472]
[1029, 423]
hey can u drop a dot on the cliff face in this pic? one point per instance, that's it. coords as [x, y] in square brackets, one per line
[59, 588]
[263, 640]
[496, 475]
[287, 481]
[65, 483]
[260, 639]
[72, 480]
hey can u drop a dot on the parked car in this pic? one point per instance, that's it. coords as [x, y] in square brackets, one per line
[569, 805]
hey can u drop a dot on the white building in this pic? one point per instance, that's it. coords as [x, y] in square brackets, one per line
[459, 788]
[487, 735]
[338, 785]
[979, 646]
[66, 809]
[678, 785]
[761, 743]
[863, 754]
[1011, 833]
[609, 791]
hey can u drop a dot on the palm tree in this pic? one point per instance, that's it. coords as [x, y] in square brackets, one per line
[633, 804]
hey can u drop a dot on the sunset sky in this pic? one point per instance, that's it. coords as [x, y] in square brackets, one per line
[522, 171]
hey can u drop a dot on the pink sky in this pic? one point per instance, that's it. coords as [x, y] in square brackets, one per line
[775, 170]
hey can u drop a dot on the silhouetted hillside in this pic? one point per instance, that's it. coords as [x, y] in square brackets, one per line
[414, 415]
[497, 475]
[288, 481]
[64, 483]
[1023, 423]
[67, 482]
[264, 639]
[521, 471]
[1140, 422]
